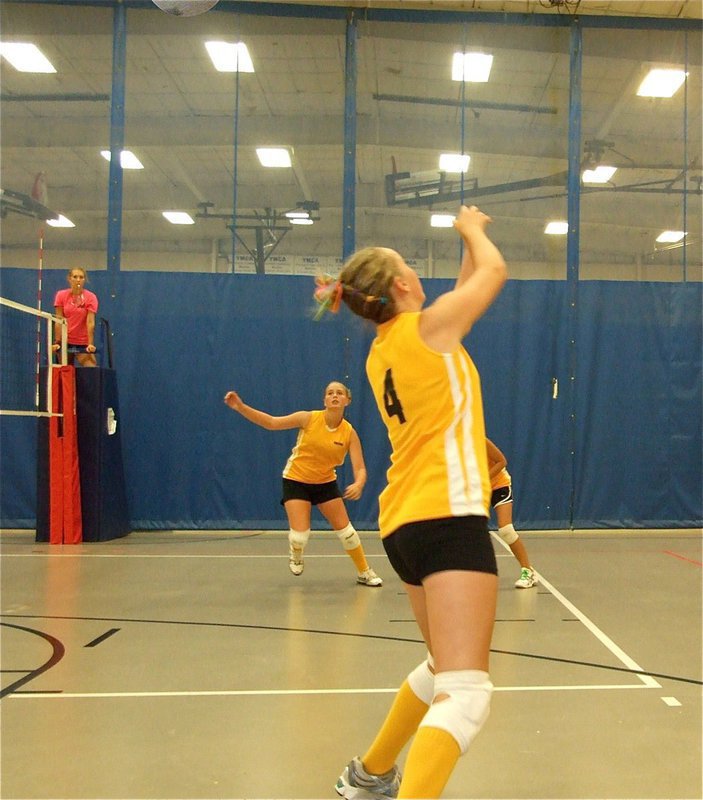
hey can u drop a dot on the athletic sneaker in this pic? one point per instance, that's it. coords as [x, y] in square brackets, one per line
[355, 783]
[528, 578]
[369, 578]
[295, 560]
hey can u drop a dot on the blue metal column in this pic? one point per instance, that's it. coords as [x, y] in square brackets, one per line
[235, 167]
[349, 190]
[117, 113]
[573, 235]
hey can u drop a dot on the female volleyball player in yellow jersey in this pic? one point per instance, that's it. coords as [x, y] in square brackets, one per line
[502, 503]
[309, 476]
[434, 509]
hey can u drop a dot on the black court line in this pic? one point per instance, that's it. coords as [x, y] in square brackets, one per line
[102, 638]
[56, 656]
[382, 637]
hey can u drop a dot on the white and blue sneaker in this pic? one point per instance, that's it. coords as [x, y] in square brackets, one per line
[355, 783]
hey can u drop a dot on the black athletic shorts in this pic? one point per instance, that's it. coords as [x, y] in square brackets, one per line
[419, 549]
[502, 496]
[314, 493]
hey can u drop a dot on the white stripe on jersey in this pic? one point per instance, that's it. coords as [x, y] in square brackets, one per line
[463, 499]
[470, 457]
[456, 482]
[294, 452]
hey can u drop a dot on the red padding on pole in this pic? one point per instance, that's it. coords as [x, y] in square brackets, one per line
[65, 524]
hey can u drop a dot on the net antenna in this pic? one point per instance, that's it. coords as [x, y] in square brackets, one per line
[20, 390]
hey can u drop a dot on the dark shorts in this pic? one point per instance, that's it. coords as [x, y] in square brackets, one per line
[419, 549]
[314, 493]
[502, 496]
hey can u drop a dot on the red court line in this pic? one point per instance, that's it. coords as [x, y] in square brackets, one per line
[683, 558]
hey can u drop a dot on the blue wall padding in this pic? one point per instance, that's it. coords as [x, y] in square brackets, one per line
[620, 446]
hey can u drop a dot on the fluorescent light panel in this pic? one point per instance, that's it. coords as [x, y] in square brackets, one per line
[661, 83]
[61, 222]
[26, 57]
[471, 67]
[601, 174]
[669, 237]
[300, 220]
[273, 156]
[127, 159]
[442, 220]
[557, 227]
[179, 217]
[454, 162]
[230, 56]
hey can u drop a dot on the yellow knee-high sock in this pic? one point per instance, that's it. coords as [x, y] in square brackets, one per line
[431, 760]
[402, 720]
[358, 556]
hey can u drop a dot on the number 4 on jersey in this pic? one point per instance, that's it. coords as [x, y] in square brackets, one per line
[390, 399]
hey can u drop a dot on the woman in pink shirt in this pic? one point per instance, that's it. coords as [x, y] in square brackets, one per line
[78, 307]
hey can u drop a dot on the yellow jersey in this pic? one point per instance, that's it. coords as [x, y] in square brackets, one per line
[501, 480]
[318, 450]
[431, 405]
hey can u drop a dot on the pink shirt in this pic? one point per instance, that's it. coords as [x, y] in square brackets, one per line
[75, 309]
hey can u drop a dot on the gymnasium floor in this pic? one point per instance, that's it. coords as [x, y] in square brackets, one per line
[194, 665]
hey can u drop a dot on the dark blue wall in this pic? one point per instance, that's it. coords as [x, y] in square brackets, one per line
[620, 446]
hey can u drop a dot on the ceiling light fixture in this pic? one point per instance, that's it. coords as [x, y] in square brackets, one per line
[230, 56]
[670, 237]
[454, 162]
[661, 82]
[442, 220]
[600, 174]
[26, 57]
[273, 156]
[557, 227]
[178, 217]
[127, 159]
[471, 67]
[61, 222]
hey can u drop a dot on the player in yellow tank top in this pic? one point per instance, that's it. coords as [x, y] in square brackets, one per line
[318, 450]
[431, 403]
[310, 478]
[433, 512]
[502, 503]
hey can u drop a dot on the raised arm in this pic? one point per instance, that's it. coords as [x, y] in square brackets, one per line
[356, 455]
[298, 419]
[481, 277]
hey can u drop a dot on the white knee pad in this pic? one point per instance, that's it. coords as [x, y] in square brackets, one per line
[466, 708]
[349, 537]
[508, 534]
[298, 539]
[421, 681]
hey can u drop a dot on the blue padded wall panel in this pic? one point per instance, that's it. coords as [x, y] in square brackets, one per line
[182, 340]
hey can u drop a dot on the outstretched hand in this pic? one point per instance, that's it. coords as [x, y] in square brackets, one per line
[233, 400]
[471, 216]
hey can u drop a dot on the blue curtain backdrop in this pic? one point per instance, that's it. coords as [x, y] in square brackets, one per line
[618, 446]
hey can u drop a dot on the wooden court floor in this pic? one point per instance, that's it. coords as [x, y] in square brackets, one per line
[194, 665]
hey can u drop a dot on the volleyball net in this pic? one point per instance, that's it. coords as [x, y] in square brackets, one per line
[26, 352]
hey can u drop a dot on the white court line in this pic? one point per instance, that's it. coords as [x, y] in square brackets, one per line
[295, 692]
[186, 555]
[177, 555]
[193, 555]
[604, 639]
[630, 663]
